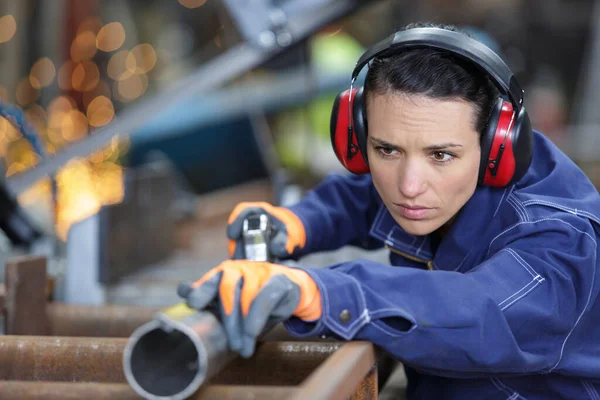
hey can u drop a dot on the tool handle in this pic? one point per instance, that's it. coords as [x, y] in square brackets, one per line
[256, 235]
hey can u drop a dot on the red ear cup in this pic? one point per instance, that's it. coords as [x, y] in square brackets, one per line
[343, 136]
[500, 161]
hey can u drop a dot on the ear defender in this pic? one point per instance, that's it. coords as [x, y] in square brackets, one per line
[505, 152]
[348, 131]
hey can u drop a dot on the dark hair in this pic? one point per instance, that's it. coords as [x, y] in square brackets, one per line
[436, 74]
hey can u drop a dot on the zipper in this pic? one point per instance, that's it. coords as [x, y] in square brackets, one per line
[429, 263]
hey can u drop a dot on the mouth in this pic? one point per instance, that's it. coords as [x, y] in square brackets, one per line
[413, 211]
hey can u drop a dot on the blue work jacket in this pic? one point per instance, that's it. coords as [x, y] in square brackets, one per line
[505, 308]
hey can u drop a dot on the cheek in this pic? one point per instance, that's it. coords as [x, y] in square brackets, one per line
[458, 186]
[384, 176]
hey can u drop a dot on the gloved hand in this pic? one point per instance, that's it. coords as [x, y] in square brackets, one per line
[252, 294]
[289, 234]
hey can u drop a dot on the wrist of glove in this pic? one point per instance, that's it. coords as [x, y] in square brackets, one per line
[249, 295]
[289, 234]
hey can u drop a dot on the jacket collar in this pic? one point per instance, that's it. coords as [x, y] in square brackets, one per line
[468, 229]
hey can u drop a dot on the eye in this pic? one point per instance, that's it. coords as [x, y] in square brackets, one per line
[386, 151]
[442, 156]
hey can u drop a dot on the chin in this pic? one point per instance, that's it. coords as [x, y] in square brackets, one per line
[417, 228]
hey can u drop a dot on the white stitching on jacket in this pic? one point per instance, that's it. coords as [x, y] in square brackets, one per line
[518, 203]
[535, 222]
[592, 280]
[590, 389]
[517, 292]
[513, 394]
[564, 208]
[510, 201]
[521, 296]
[525, 264]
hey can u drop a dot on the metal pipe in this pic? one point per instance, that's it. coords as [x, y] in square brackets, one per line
[51, 358]
[171, 356]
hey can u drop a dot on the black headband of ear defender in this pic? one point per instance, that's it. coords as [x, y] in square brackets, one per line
[457, 43]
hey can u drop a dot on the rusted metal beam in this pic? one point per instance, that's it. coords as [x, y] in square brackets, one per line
[97, 321]
[368, 388]
[19, 390]
[25, 298]
[338, 376]
[243, 392]
[278, 369]
[51, 358]
[280, 363]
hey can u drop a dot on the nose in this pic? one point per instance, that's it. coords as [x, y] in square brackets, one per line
[412, 181]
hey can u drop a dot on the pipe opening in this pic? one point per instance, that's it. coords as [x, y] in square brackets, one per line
[164, 363]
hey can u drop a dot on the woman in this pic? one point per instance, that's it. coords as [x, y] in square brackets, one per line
[492, 231]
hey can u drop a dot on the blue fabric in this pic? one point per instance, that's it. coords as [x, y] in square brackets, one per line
[509, 308]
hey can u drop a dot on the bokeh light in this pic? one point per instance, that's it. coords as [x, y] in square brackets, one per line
[74, 125]
[192, 3]
[65, 75]
[145, 57]
[85, 76]
[8, 132]
[84, 46]
[131, 88]
[61, 104]
[100, 111]
[8, 27]
[42, 73]
[110, 37]
[121, 65]
[90, 24]
[101, 89]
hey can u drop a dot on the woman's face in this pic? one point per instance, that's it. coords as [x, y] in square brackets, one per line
[424, 157]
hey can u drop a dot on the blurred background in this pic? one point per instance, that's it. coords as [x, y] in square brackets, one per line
[129, 129]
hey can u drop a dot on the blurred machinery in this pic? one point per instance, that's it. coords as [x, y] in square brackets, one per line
[134, 225]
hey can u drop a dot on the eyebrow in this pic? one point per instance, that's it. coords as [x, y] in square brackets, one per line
[434, 147]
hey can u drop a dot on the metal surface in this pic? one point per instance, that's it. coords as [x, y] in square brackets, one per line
[97, 321]
[212, 74]
[332, 380]
[277, 363]
[220, 392]
[44, 358]
[25, 297]
[368, 389]
[28, 312]
[171, 356]
[69, 367]
[17, 390]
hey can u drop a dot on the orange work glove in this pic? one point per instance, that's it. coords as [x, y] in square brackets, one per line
[252, 294]
[289, 235]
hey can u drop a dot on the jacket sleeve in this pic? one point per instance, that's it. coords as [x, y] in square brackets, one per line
[512, 314]
[339, 212]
